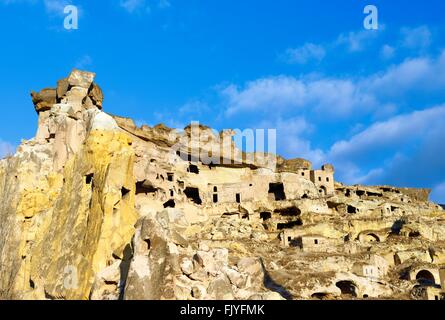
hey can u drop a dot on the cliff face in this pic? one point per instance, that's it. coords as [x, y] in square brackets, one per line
[67, 201]
[95, 207]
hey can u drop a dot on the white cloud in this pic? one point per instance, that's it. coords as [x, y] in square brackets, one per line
[84, 62]
[420, 131]
[306, 53]
[356, 41]
[396, 130]
[195, 107]
[291, 139]
[265, 94]
[6, 148]
[418, 74]
[438, 193]
[52, 7]
[164, 4]
[378, 94]
[56, 7]
[416, 38]
[335, 96]
[387, 52]
[6, 2]
[132, 5]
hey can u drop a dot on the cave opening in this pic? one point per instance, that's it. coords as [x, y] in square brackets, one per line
[193, 194]
[193, 169]
[289, 211]
[289, 225]
[124, 192]
[170, 204]
[347, 288]
[144, 187]
[277, 189]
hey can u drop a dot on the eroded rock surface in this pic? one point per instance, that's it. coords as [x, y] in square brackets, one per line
[95, 207]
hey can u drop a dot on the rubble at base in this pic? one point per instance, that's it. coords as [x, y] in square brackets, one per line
[95, 207]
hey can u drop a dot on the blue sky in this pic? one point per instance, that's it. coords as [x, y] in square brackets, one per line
[372, 102]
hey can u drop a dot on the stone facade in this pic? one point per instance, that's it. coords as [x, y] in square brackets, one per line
[95, 207]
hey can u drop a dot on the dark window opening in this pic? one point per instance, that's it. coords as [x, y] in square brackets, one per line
[215, 189]
[373, 237]
[348, 193]
[305, 196]
[374, 194]
[365, 296]
[148, 242]
[265, 215]
[193, 169]
[144, 187]
[170, 204]
[229, 214]
[361, 193]
[277, 189]
[170, 176]
[425, 277]
[31, 284]
[352, 210]
[397, 226]
[289, 211]
[327, 179]
[172, 193]
[124, 191]
[414, 234]
[289, 225]
[89, 178]
[319, 178]
[323, 191]
[315, 241]
[332, 205]
[296, 242]
[320, 296]
[215, 198]
[193, 194]
[302, 174]
[238, 198]
[347, 288]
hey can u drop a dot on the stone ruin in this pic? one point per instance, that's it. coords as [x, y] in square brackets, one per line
[95, 207]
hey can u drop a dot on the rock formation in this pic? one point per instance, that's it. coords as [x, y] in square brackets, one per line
[95, 207]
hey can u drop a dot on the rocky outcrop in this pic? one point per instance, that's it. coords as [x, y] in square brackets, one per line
[95, 207]
[293, 165]
[67, 207]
